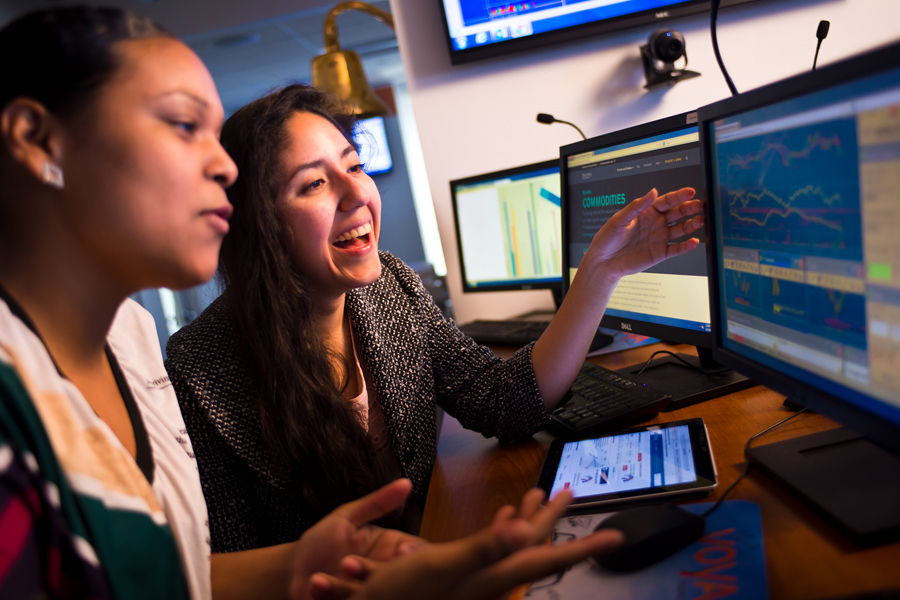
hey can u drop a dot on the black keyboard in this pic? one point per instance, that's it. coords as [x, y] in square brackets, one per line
[517, 333]
[603, 399]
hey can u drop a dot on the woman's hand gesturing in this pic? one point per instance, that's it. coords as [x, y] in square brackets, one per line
[639, 235]
[479, 567]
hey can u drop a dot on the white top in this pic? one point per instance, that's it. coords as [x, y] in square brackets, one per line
[95, 461]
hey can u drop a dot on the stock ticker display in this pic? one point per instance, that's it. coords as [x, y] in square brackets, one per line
[804, 226]
[809, 200]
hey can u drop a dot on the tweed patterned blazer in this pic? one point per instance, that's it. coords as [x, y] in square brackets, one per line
[417, 359]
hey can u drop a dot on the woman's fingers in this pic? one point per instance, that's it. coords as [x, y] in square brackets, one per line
[543, 519]
[410, 547]
[674, 202]
[634, 208]
[466, 556]
[479, 566]
[377, 504]
[505, 513]
[687, 208]
[668, 201]
[537, 562]
[685, 227]
[385, 544]
[447, 564]
[357, 567]
[462, 558]
[531, 503]
[328, 587]
[681, 248]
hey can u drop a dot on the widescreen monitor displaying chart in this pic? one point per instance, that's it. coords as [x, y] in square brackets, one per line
[508, 228]
[807, 193]
[671, 299]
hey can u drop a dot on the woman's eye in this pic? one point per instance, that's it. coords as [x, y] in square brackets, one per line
[314, 185]
[356, 169]
[186, 126]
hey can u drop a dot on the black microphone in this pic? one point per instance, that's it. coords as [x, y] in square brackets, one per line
[821, 34]
[550, 119]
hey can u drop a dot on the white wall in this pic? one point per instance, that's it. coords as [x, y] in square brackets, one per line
[478, 118]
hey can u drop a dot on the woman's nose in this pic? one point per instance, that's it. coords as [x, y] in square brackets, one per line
[354, 192]
[221, 167]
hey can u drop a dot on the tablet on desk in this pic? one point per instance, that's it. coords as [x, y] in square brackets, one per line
[639, 465]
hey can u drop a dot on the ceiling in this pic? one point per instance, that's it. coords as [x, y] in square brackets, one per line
[252, 46]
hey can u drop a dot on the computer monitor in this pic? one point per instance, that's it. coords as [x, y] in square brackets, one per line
[479, 29]
[508, 229]
[670, 300]
[804, 180]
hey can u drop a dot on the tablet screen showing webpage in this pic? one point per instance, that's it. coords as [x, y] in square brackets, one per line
[622, 463]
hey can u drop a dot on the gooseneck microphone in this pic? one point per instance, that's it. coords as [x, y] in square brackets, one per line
[549, 119]
[821, 34]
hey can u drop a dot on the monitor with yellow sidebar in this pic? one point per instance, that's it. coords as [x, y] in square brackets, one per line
[669, 301]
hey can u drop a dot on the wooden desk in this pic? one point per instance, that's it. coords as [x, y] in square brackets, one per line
[805, 557]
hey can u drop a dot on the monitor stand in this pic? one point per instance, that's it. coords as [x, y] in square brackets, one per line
[600, 340]
[688, 385]
[544, 315]
[852, 482]
[557, 296]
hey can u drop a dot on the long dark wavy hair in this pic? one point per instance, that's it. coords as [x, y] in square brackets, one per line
[306, 424]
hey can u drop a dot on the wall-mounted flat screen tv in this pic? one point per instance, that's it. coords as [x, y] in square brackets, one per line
[479, 29]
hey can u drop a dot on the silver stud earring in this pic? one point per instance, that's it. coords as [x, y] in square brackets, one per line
[53, 176]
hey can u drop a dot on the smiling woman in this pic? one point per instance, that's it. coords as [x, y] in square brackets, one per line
[330, 199]
[112, 179]
[314, 377]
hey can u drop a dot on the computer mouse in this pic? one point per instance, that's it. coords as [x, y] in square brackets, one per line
[651, 534]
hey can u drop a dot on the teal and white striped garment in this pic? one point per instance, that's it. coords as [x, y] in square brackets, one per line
[76, 511]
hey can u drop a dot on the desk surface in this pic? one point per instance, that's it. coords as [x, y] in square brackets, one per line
[805, 556]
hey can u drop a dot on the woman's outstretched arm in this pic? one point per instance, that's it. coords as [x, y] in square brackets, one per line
[635, 238]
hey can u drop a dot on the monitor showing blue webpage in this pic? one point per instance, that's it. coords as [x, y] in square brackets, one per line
[603, 180]
[498, 26]
[483, 22]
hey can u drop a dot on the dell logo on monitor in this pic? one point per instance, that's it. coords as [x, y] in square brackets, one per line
[663, 14]
[626, 326]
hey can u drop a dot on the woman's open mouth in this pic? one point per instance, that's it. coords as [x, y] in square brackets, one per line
[355, 238]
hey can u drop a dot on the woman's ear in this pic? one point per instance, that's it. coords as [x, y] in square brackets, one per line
[32, 137]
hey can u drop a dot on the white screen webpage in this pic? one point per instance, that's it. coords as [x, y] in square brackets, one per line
[627, 462]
